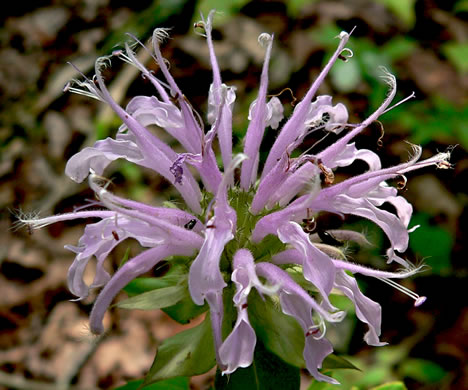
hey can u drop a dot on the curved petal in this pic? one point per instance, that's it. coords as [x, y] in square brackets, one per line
[130, 270]
[367, 310]
[297, 303]
[98, 240]
[205, 275]
[318, 268]
[238, 348]
[316, 349]
[99, 156]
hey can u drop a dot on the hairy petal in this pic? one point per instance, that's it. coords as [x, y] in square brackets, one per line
[295, 126]
[256, 128]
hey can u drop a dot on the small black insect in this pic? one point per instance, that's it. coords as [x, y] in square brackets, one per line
[315, 225]
[327, 238]
[190, 224]
[116, 236]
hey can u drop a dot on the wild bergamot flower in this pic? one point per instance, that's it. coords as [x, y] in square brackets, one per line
[237, 235]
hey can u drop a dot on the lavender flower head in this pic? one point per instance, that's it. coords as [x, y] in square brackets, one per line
[252, 238]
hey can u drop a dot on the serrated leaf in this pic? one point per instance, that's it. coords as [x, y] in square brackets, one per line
[391, 386]
[267, 371]
[188, 353]
[155, 299]
[281, 334]
[179, 383]
[336, 362]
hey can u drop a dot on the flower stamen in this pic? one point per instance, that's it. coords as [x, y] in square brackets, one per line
[419, 300]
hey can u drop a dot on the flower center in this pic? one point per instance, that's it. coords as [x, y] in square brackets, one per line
[240, 201]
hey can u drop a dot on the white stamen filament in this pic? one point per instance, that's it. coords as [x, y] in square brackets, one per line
[400, 102]
[68, 88]
[124, 57]
[419, 300]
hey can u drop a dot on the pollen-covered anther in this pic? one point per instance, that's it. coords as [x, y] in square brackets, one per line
[161, 34]
[264, 39]
[342, 35]
[201, 26]
[314, 330]
[418, 299]
[327, 172]
[317, 331]
[444, 165]
[401, 184]
[66, 87]
[345, 54]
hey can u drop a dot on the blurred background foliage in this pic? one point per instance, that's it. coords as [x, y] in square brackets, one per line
[423, 42]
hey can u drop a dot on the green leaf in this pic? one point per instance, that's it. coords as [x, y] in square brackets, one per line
[224, 9]
[281, 334]
[155, 299]
[337, 362]
[185, 310]
[316, 385]
[188, 353]
[142, 23]
[266, 372]
[176, 273]
[457, 54]
[180, 383]
[461, 6]
[422, 370]
[433, 120]
[403, 9]
[345, 76]
[294, 7]
[398, 48]
[432, 242]
[391, 386]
